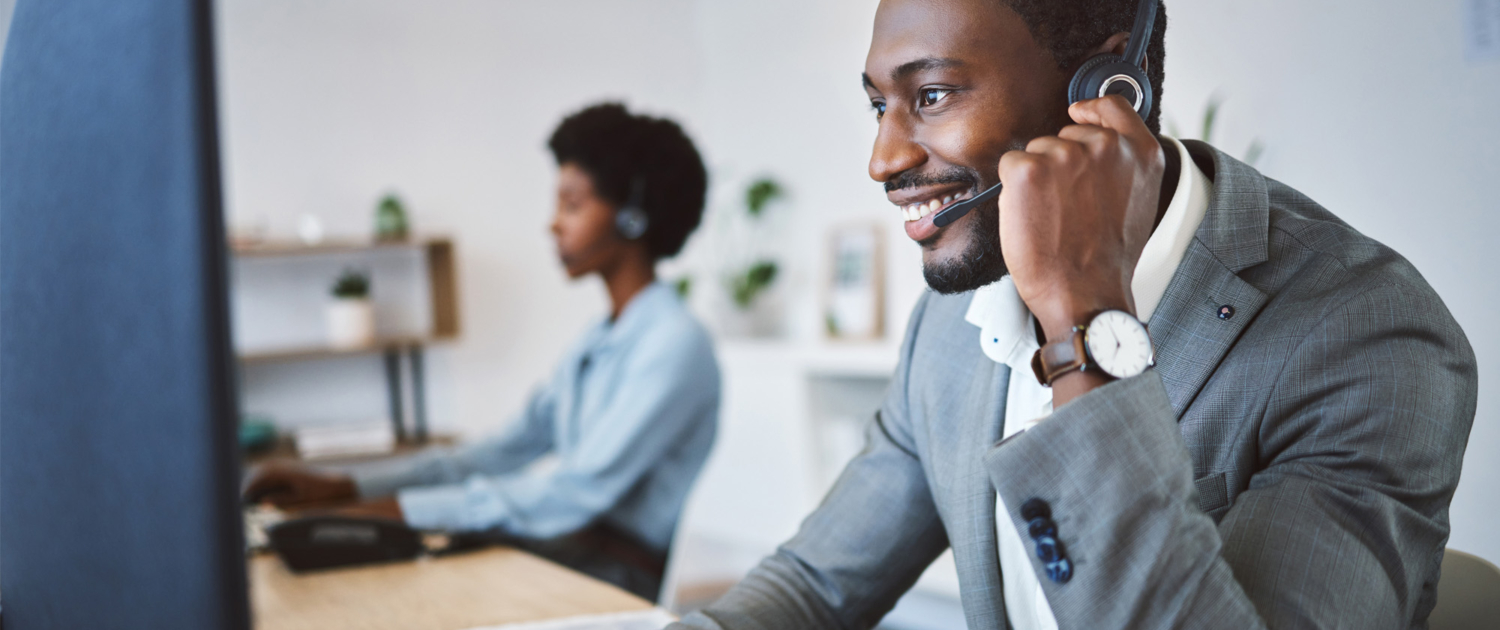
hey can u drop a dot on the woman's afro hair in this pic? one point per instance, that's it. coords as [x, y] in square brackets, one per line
[618, 149]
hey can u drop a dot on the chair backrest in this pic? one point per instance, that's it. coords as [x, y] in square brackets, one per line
[1468, 594]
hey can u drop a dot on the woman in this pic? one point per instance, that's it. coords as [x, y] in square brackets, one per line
[630, 413]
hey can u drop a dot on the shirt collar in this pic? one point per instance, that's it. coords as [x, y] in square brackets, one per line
[1005, 324]
[642, 309]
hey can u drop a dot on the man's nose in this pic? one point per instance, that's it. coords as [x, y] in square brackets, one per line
[895, 151]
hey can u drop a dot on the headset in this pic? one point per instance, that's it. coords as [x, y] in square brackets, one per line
[1100, 76]
[631, 219]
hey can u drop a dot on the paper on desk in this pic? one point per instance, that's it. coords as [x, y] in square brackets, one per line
[654, 619]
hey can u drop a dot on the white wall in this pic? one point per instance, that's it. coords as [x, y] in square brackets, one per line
[326, 104]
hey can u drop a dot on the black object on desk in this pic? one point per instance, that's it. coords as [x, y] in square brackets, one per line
[325, 542]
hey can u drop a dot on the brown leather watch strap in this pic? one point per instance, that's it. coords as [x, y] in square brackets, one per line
[1060, 357]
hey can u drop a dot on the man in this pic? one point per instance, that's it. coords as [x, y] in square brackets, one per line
[630, 413]
[1287, 463]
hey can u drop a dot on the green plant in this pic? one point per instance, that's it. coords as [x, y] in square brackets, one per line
[684, 286]
[750, 283]
[761, 192]
[352, 285]
[390, 219]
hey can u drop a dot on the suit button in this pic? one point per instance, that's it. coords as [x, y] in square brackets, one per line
[1035, 508]
[1049, 549]
[1040, 527]
[1060, 571]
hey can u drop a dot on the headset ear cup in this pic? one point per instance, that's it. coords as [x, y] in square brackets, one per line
[631, 222]
[1095, 73]
[1078, 87]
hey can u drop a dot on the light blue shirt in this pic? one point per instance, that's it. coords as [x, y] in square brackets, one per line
[631, 414]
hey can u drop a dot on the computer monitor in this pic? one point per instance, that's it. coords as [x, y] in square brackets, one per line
[118, 468]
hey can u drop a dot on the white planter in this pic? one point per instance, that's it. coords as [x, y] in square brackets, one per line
[351, 323]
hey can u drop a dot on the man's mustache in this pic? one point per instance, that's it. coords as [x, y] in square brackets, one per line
[955, 175]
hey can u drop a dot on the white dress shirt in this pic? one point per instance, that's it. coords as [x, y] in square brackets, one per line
[1006, 334]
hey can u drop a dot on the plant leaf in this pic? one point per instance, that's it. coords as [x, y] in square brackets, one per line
[1210, 116]
[760, 193]
[1252, 154]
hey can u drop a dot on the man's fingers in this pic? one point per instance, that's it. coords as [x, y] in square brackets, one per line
[1093, 136]
[1062, 150]
[1019, 167]
[1112, 112]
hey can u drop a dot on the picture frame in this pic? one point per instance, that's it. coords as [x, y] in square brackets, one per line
[854, 289]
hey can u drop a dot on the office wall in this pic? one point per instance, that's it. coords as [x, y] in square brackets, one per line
[327, 104]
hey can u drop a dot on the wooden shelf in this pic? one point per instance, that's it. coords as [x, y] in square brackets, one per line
[442, 278]
[281, 248]
[321, 352]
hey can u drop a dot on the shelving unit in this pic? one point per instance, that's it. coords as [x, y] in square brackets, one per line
[441, 263]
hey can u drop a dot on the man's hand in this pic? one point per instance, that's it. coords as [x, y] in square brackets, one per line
[1076, 212]
[289, 486]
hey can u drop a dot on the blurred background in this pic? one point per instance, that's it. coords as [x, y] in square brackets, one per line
[1383, 112]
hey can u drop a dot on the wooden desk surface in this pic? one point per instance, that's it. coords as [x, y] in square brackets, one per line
[458, 592]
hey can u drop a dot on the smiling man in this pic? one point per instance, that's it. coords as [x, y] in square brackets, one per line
[1279, 450]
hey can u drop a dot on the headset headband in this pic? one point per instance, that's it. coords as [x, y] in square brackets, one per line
[1140, 34]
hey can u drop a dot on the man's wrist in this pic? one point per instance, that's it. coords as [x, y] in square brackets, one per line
[1057, 323]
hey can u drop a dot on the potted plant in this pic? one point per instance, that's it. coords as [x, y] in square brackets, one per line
[351, 316]
[752, 271]
[390, 219]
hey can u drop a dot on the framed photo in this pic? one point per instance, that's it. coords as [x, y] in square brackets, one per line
[854, 304]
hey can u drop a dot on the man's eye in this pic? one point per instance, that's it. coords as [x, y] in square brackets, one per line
[930, 96]
[879, 107]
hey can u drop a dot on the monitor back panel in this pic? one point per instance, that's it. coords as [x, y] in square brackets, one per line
[118, 472]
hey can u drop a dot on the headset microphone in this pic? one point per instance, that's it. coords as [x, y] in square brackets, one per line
[1098, 77]
[631, 219]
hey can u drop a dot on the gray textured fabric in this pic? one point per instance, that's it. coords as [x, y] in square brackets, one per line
[1288, 467]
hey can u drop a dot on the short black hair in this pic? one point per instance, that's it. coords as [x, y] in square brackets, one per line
[617, 148]
[1071, 29]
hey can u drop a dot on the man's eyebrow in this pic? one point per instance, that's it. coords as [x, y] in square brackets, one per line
[914, 66]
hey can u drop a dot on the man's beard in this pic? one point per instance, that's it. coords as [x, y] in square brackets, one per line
[981, 263]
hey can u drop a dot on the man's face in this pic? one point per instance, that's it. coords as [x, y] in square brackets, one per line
[955, 84]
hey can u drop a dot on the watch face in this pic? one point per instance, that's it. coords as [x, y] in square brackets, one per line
[1119, 344]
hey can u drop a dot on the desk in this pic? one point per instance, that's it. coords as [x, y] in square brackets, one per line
[479, 588]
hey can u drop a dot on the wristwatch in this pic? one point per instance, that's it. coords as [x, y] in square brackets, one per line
[1113, 342]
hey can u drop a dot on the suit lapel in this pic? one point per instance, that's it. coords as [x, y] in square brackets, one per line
[1192, 330]
[976, 550]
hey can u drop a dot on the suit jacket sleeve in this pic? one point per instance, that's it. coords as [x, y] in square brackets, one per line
[869, 541]
[1343, 521]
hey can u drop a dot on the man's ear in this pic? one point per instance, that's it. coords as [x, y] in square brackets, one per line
[1116, 45]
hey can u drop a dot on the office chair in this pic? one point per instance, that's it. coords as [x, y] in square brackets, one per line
[1468, 594]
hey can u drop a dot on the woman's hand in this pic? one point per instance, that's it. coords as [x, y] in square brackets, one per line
[291, 486]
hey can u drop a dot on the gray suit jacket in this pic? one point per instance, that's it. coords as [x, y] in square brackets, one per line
[1288, 467]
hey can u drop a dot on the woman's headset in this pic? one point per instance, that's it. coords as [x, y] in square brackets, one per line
[1100, 76]
[631, 219]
